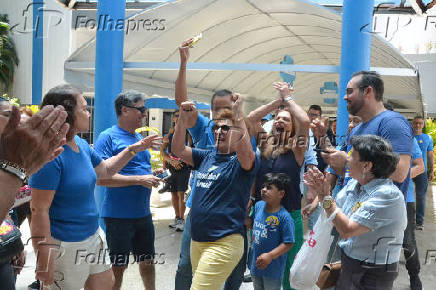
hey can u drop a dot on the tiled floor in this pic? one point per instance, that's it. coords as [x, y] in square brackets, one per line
[168, 244]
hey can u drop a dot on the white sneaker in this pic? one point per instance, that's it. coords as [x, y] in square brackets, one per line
[174, 224]
[180, 225]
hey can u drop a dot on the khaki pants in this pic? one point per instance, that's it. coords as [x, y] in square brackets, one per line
[213, 262]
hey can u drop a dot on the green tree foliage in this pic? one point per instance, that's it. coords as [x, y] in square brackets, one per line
[8, 54]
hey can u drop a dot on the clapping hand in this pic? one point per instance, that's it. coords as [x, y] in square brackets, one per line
[319, 127]
[36, 141]
[285, 89]
[317, 182]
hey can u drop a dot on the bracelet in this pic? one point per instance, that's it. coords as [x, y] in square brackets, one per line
[333, 215]
[131, 151]
[14, 169]
[252, 198]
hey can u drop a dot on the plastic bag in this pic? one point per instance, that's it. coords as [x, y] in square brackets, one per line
[313, 254]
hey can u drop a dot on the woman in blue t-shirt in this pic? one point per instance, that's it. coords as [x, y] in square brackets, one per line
[282, 151]
[64, 212]
[224, 178]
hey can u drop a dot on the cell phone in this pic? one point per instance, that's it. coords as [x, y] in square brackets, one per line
[162, 175]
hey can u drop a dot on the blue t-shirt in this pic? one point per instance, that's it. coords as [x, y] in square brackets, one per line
[425, 143]
[393, 127]
[410, 197]
[203, 138]
[73, 212]
[222, 192]
[128, 201]
[269, 231]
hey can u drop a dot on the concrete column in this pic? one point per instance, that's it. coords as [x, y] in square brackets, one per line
[37, 51]
[108, 68]
[355, 52]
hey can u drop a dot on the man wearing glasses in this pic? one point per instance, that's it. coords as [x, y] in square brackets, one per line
[364, 96]
[126, 206]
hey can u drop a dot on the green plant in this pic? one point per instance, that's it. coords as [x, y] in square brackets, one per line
[430, 128]
[8, 54]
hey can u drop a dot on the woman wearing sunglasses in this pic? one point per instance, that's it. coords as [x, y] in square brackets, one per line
[282, 151]
[224, 177]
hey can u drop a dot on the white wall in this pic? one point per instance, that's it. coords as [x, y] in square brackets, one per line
[57, 43]
[155, 118]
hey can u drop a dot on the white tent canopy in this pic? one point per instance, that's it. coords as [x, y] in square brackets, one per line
[246, 32]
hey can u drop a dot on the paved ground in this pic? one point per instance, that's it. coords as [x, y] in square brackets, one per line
[168, 244]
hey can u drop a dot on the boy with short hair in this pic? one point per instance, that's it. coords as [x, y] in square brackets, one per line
[273, 234]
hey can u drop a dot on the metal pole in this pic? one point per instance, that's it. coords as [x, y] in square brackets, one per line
[37, 52]
[355, 52]
[108, 68]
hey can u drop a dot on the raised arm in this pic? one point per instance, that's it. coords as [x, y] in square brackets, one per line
[244, 150]
[188, 113]
[300, 117]
[181, 91]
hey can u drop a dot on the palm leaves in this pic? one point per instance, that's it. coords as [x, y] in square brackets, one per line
[8, 54]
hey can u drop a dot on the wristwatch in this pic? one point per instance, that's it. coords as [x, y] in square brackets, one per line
[287, 99]
[15, 170]
[327, 202]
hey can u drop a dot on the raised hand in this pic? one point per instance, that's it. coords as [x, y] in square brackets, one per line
[37, 140]
[237, 105]
[184, 50]
[188, 115]
[285, 89]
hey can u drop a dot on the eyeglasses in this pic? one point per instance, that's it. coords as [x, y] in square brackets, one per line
[313, 115]
[224, 128]
[176, 116]
[349, 91]
[141, 109]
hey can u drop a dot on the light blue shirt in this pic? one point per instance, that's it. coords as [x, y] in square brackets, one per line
[383, 210]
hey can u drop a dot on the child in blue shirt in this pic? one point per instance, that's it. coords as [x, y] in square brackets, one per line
[273, 234]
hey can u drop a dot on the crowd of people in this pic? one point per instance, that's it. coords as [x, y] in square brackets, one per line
[256, 175]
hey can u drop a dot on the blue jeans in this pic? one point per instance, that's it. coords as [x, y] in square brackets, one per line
[265, 283]
[421, 184]
[184, 269]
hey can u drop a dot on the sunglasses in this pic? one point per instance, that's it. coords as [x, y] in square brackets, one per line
[141, 109]
[349, 91]
[224, 128]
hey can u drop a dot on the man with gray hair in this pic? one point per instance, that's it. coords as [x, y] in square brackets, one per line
[126, 206]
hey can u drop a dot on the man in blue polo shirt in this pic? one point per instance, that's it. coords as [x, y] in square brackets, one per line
[421, 181]
[126, 206]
